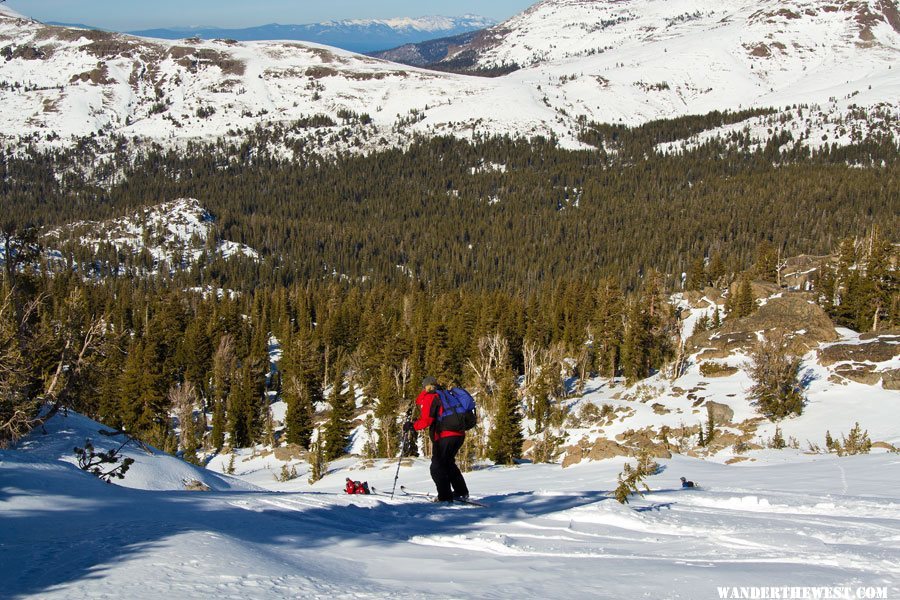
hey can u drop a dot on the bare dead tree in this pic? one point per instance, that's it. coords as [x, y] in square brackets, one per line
[493, 354]
[224, 365]
[183, 398]
[402, 376]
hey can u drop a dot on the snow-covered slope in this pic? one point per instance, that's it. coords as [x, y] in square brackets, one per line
[547, 532]
[152, 469]
[175, 234]
[623, 62]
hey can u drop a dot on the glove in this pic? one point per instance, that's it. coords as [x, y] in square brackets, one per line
[408, 426]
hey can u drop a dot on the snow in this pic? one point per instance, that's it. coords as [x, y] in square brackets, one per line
[812, 521]
[8, 12]
[428, 24]
[174, 233]
[614, 62]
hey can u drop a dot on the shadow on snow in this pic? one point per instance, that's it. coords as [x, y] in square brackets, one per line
[44, 550]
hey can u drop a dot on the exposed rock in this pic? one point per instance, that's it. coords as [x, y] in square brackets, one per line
[803, 322]
[721, 344]
[874, 335]
[574, 454]
[289, 452]
[859, 373]
[660, 409]
[878, 349]
[798, 271]
[604, 448]
[890, 379]
[194, 485]
[721, 413]
[527, 446]
[658, 451]
[722, 440]
[736, 459]
[698, 299]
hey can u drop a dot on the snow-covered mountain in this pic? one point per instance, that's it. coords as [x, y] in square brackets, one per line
[619, 62]
[356, 35]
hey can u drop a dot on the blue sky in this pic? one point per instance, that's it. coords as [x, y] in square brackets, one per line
[133, 14]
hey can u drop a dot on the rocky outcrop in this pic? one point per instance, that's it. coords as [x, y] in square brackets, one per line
[633, 443]
[721, 413]
[878, 349]
[890, 379]
[803, 323]
[858, 361]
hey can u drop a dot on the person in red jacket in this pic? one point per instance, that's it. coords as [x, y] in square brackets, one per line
[445, 444]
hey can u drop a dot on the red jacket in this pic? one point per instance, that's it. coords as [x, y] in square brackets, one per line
[423, 401]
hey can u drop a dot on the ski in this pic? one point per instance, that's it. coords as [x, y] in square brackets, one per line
[429, 496]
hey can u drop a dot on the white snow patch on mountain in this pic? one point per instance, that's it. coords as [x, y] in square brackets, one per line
[615, 62]
[174, 233]
[430, 23]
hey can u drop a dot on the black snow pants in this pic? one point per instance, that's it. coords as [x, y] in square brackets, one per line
[446, 475]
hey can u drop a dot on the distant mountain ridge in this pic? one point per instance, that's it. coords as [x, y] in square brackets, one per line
[826, 69]
[356, 35]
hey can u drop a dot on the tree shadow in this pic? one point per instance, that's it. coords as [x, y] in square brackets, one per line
[47, 549]
[808, 378]
[655, 507]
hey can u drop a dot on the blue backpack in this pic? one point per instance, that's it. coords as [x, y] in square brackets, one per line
[458, 412]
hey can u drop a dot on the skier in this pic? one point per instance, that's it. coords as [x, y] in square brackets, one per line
[446, 475]
[687, 484]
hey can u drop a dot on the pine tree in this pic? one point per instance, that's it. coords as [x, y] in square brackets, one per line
[766, 266]
[608, 327]
[744, 303]
[298, 420]
[337, 431]
[244, 414]
[716, 270]
[386, 411]
[636, 343]
[696, 275]
[506, 438]
[776, 380]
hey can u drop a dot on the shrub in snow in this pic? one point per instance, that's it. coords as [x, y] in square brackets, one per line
[776, 380]
[716, 369]
[95, 462]
[546, 449]
[856, 442]
[631, 479]
[287, 474]
[777, 442]
[318, 466]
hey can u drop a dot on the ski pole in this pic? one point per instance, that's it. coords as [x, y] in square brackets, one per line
[402, 443]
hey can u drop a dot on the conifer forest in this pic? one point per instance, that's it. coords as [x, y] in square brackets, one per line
[472, 261]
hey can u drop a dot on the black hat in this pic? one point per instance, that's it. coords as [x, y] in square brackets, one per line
[429, 381]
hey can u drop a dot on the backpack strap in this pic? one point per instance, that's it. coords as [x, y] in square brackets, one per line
[435, 404]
